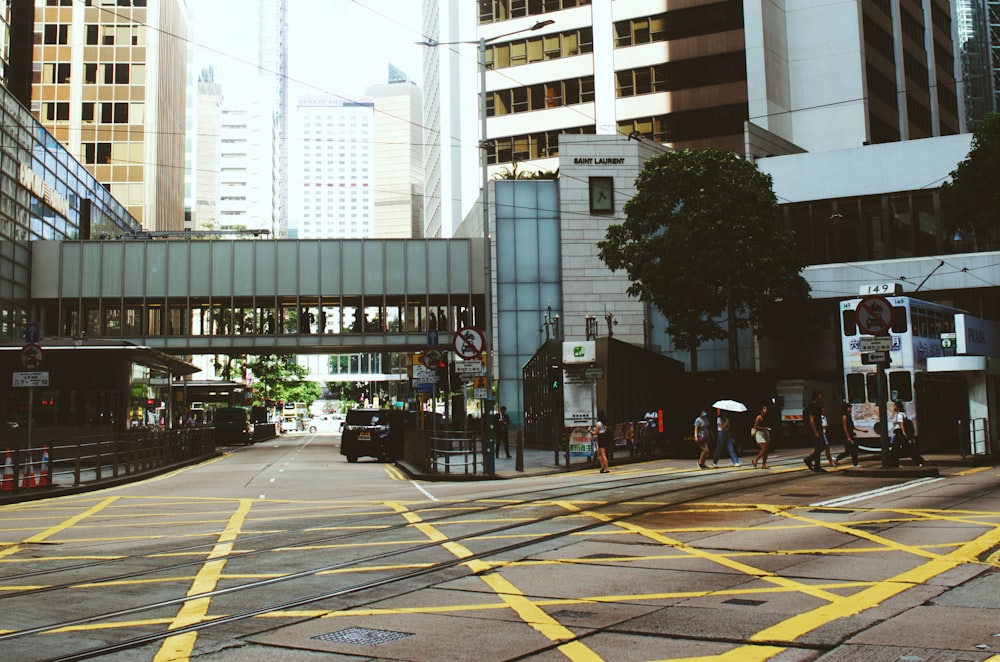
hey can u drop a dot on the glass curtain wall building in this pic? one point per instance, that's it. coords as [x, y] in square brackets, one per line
[45, 193]
[528, 276]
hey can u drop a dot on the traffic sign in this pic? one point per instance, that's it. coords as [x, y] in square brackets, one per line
[31, 332]
[432, 338]
[874, 358]
[31, 356]
[874, 315]
[433, 359]
[470, 368]
[875, 344]
[469, 342]
[949, 340]
[27, 379]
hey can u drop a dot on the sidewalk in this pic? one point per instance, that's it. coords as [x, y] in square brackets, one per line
[538, 462]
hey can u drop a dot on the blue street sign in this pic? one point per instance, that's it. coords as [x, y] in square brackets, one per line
[432, 338]
[31, 333]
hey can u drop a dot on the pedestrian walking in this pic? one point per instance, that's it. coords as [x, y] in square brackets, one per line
[603, 434]
[903, 440]
[723, 440]
[848, 433]
[814, 413]
[762, 435]
[503, 432]
[702, 437]
[825, 422]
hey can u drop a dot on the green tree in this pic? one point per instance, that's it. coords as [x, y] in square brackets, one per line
[970, 202]
[280, 378]
[703, 236]
[512, 172]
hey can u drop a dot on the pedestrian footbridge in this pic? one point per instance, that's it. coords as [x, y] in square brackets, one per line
[259, 296]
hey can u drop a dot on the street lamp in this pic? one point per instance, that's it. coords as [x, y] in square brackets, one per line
[487, 241]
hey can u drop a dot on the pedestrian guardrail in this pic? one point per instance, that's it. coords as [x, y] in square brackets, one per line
[454, 451]
[93, 459]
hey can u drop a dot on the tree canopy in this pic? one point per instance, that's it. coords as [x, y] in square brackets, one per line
[279, 378]
[970, 202]
[703, 236]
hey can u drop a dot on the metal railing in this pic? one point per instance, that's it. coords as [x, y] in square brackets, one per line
[89, 460]
[454, 450]
[974, 436]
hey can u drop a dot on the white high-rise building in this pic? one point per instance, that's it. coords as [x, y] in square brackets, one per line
[250, 75]
[805, 75]
[451, 129]
[399, 157]
[333, 166]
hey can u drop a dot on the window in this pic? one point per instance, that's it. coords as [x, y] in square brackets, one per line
[56, 33]
[57, 72]
[900, 386]
[55, 112]
[90, 73]
[856, 388]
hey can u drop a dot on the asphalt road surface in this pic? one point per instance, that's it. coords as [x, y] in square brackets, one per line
[284, 551]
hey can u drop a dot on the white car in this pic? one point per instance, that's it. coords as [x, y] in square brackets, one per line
[326, 424]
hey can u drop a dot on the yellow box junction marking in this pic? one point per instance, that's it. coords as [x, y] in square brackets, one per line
[529, 612]
[179, 647]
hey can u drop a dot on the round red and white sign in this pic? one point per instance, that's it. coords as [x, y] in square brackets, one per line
[874, 315]
[469, 342]
[31, 356]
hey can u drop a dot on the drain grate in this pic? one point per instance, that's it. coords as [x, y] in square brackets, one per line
[363, 636]
[567, 613]
[745, 602]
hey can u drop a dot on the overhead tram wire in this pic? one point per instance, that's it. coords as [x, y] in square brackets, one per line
[112, 11]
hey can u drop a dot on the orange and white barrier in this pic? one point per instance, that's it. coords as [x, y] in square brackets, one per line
[43, 470]
[7, 480]
[29, 475]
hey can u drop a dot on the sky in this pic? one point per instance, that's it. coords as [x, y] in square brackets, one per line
[334, 46]
[340, 46]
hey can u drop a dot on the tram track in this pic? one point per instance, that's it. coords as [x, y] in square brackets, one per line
[630, 490]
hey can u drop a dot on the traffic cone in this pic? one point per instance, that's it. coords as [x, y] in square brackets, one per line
[29, 476]
[43, 471]
[7, 481]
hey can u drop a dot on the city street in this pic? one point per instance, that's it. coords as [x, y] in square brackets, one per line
[285, 551]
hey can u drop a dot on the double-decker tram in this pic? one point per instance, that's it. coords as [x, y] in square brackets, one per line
[936, 402]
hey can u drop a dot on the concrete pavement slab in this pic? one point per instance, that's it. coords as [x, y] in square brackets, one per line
[411, 637]
[936, 627]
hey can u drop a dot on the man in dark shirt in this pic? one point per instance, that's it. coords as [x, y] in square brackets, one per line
[502, 427]
[814, 426]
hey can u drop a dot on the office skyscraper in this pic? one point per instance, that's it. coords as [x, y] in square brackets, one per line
[249, 85]
[398, 157]
[810, 76]
[330, 181]
[109, 84]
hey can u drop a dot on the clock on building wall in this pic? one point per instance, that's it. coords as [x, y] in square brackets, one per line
[602, 195]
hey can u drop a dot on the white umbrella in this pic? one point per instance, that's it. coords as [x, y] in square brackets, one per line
[729, 405]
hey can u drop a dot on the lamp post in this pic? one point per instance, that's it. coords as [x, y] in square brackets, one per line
[490, 456]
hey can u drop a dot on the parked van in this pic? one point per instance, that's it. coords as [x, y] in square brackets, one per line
[232, 426]
[374, 433]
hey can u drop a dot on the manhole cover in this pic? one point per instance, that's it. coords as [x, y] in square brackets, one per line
[745, 602]
[363, 636]
[566, 613]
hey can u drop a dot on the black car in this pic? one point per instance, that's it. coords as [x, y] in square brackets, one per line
[374, 433]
